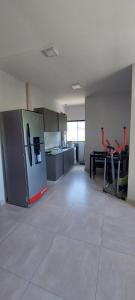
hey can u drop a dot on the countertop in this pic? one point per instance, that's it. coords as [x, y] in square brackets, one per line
[53, 152]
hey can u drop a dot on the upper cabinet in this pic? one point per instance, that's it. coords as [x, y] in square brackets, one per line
[62, 122]
[51, 119]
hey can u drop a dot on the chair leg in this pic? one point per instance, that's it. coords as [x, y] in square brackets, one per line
[94, 170]
[90, 166]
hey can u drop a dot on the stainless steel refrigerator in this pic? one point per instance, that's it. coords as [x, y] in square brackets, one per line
[24, 156]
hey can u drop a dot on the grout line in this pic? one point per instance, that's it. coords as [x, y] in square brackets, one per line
[99, 262]
[21, 278]
[47, 290]
[25, 291]
[119, 252]
[10, 233]
[64, 235]
[46, 229]
[43, 258]
[98, 272]
[14, 273]
[89, 244]
[59, 233]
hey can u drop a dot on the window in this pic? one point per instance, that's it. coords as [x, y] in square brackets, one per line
[76, 131]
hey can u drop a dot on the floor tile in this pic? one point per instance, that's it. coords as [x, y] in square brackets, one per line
[24, 249]
[78, 221]
[93, 201]
[85, 225]
[7, 225]
[116, 280]
[119, 234]
[35, 293]
[61, 198]
[12, 211]
[56, 244]
[71, 197]
[69, 270]
[118, 208]
[11, 286]
[44, 216]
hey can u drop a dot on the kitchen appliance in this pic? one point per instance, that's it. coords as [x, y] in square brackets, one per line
[24, 156]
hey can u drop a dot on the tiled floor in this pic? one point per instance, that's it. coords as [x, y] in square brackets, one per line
[76, 243]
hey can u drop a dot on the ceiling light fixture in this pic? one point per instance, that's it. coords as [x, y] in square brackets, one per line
[76, 86]
[50, 52]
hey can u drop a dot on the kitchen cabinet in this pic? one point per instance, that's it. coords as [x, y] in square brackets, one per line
[51, 120]
[68, 160]
[59, 164]
[62, 122]
[54, 166]
[62, 126]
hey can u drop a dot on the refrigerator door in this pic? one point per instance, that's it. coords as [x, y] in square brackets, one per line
[35, 154]
[32, 126]
[16, 186]
[36, 173]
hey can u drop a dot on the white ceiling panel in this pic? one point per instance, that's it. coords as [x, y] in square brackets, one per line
[95, 40]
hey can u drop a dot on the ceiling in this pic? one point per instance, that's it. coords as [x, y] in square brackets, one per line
[96, 40]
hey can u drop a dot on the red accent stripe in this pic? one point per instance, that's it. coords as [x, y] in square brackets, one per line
[37, 196]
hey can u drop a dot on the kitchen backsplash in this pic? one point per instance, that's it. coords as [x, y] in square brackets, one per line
[52, 139]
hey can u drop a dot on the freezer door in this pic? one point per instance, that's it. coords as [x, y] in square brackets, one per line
[32, 127]
[14, 158]
[36, 173]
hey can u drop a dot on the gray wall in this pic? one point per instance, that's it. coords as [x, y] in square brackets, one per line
[40, 98]
[131, 178]
[75, 112]
[111, 112]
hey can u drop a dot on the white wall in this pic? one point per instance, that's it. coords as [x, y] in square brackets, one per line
[131, 177]
[111, 112]
[12, 92]
[41, 99]
[75, 112]
[13, 96]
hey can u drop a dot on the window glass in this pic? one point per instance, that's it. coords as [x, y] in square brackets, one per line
[81, 131]
[81, 124]
[76, 131]
[72, 131]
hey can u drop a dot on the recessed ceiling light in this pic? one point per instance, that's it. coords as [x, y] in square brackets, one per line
[76, 86]
[50, 52]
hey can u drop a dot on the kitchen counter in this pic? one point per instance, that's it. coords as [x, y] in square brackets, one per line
[59, 162]
[57, 151]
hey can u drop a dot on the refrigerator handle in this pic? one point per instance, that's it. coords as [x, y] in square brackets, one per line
[29, 143]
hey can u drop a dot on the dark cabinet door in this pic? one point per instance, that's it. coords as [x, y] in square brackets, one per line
[68, 159]
[51, 167]
[50, 119]
[62, 125]
[54, 166]
[62, 122]
[59, 165]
